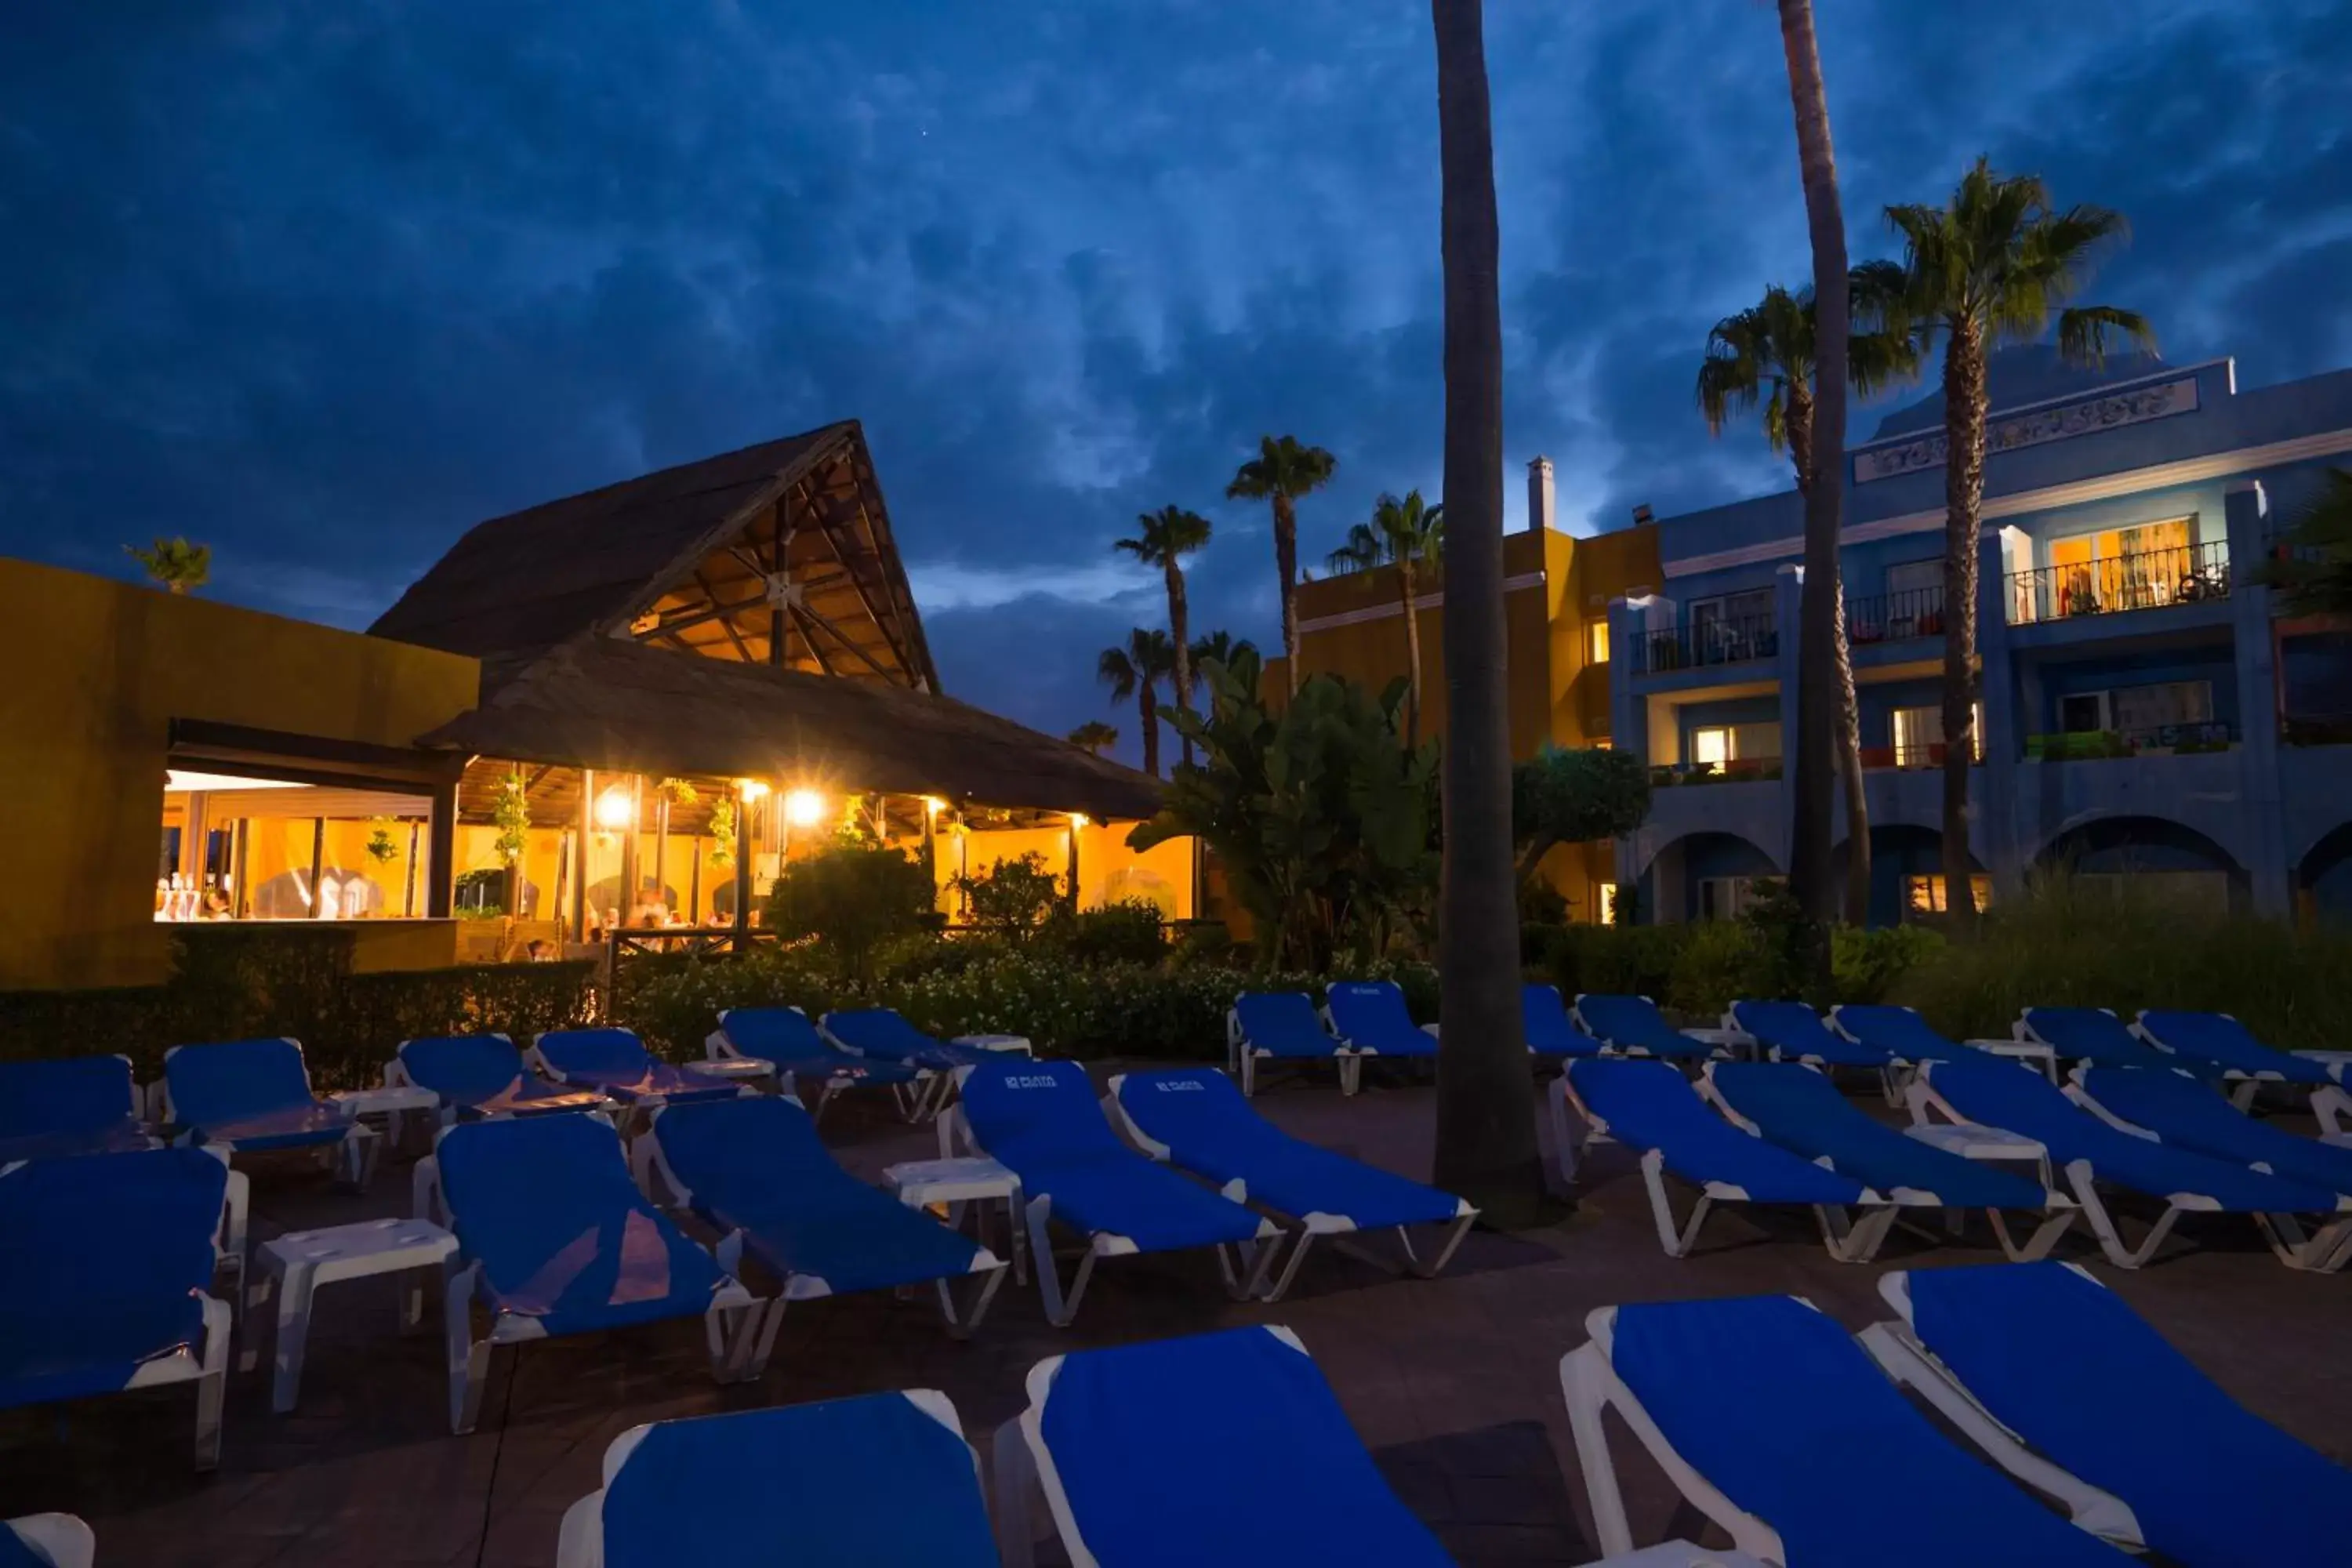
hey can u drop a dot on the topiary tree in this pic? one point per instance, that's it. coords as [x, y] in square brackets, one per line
[1017, 895]
[1571, 796]
[851, 899]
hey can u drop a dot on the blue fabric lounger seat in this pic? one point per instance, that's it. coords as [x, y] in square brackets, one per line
[2095, 1037]
[886, 1034]
[1774, 1423]
[46, 1540]
[1803, 1111]
[883, 1480]
[1899, 1032]
[554, 1238]
[1650, 1106]
[1371, 1018]
[2185, 1114]
[2002, 1094]
[1633, 1027]
[1792, 1032]
[481, 1075]
[1281, 1025]
[793, 1046]
[1196, 1120]
[2218, 1039]
[1041, 1121]
[253, 1095]
[1224, 1448]
[68, 1105]
[1543, 1018]
[753, 1169]
[110, 1261]
[615, 1062]
[2072, 1377]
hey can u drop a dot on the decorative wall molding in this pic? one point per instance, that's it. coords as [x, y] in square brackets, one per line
[1421, 602]
[2034, 428]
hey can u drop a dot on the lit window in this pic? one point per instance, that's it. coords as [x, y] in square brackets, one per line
[1711, 747]
[1596, 642]
[1925, 895]
[1725, 898]
[1919, 736]
[1607, 899]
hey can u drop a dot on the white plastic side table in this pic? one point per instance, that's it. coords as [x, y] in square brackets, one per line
[1974, 1143]
[1678, 1554]
[1017, 1045]
[2029, 1051]
[732, 1068]
[300, 1261]
[392, 1103]
[973, 1178]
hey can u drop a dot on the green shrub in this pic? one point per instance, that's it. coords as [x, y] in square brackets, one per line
[675, 1011]
[1016, 894]
[1128, 931]
[1720, 963]
[1867, 963]
[1612, 959]
[852, 898]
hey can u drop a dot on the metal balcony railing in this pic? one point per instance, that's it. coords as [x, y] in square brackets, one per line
[2185, 574]
[2091, 745]
[1892, 617]
[1709, 642]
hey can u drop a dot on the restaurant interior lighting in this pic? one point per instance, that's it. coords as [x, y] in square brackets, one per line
[614, 810]
[804, 808]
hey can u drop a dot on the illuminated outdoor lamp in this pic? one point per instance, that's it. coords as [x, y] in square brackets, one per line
[933, 806]
[804, 808]
[1077, 820]
[750, 789]
[614, 810]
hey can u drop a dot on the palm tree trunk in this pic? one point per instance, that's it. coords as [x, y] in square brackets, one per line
[1817, 662]
[1412, 654]
[1486, 1099]
[1286, 563]
[1857, 806]
[1146, 704]
[1180, 631]
[1964, 439]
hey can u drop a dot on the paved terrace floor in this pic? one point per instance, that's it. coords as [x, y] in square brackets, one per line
[1453, 1382]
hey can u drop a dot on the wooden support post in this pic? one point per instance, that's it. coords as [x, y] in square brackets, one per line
[317, 855]
[661, 851]
[694, 884]
[239, 901]
[626, 913]
[441, 853]
[408, 895]
[1074, 861]
[743, 870]
[585, 830]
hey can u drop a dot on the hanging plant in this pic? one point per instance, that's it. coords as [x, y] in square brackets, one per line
[511, 814]
[380, 845]
[678, 792]
[722, 833]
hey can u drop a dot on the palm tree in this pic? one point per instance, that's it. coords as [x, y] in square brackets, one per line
[2312, 573]
[1409, 535]
[174, 564]
[1221, 646]
[1094, 736]
[1283, 471]
[1485, 1104]
[1136, 671]
[1989, 268]
[1766, 353]
[1163, 539]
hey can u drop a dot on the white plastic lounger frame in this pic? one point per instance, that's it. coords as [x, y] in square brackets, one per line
[58, 1539]
[918, 1102]
[1426, 1263]
[581, 1541]
[661, 1185]
[1242, 1059]
[731, 1326]
[1849, 1240]
[1896, 1349]
[2323, 1253]
[2058, 1209]
[2332, 1107]
[1590, 1383]
[352, 1159]
[1244, 1268]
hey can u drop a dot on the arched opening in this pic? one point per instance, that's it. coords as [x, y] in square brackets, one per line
[2324, 881]
[1906, 873]
[2149, 857]
[1705, 876]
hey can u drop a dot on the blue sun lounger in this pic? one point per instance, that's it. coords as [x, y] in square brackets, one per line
[2220, 1040]
[1224, 1447]
[790, 1046]
[46, 1540]
[1803, 1111]
[68, 1105]
[2090, 1151]
[2094, 1037]
[882, 1480]
[1281, 1025]
[753, 1170]
[1792, 1032]
[2070, 1391]
[615, 1063]
[481, 1075]
[1775, 1425]
[1650, 1106]
[1196, 1120]
[1041, 1121]
[1370, 1017]
[1543, 1018]
[112, 1262]
[1897, 1032]
[554, 1239]
[1633, 1027]
[2185, 1114]
[254, 1095]
[884, 1034]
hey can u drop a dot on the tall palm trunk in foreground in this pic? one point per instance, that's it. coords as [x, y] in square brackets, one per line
[1486, 1100]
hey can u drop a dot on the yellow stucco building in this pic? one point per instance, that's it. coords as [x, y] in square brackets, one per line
[1556, 593]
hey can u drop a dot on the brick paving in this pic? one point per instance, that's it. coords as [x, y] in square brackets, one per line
[1453, 1382]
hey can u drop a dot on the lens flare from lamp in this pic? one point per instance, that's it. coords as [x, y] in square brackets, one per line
[750, 789]
[614, 810]
[804, 808]
[1077, 820]
[933, 806]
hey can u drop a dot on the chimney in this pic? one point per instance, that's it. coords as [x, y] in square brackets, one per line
[1643, 515]
[1540, 495]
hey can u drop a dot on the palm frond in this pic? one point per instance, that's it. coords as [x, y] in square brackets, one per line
[2083, 333]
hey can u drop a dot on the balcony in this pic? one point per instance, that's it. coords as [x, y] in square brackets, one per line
[1746, 770]
[2150, 580]
[2164, 740]
[1893, 618]
[1708, 643]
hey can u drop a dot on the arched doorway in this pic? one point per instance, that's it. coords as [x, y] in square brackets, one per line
[2151, 857]
[1906, 872]
[1705, 876]
[2323, 881]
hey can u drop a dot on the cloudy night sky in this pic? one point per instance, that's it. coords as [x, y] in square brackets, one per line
[324, 282]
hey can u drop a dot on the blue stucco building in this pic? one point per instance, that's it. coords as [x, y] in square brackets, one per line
[2148, 711]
